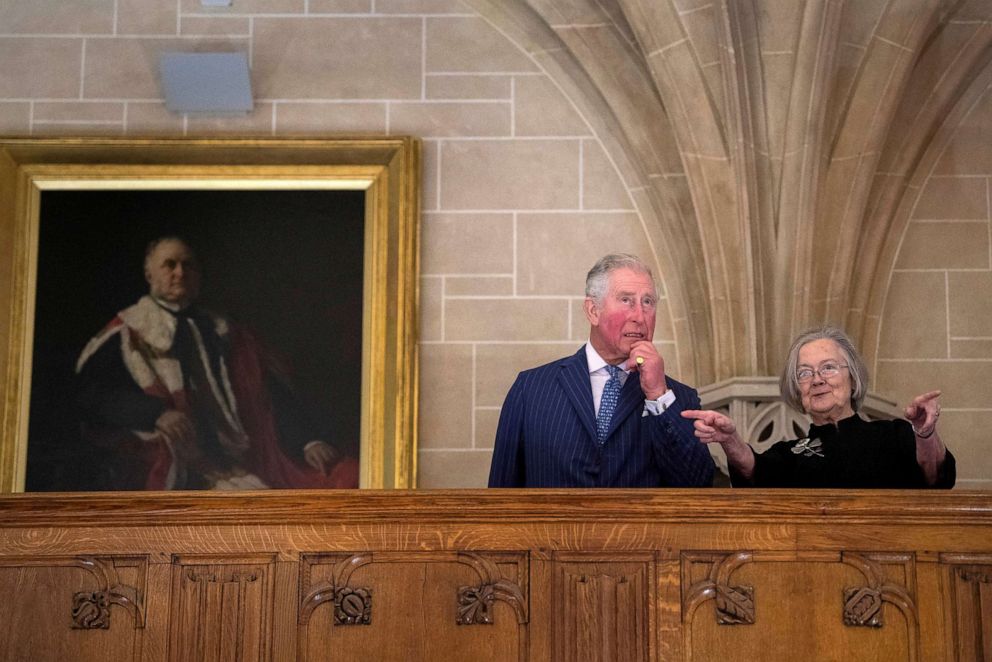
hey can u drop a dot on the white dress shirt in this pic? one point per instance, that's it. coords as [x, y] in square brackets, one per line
[599, 375]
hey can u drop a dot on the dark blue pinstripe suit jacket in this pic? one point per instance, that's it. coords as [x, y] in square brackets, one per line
[547, 435]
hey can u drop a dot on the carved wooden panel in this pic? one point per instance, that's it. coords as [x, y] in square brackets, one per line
[756, 575]
[221, 607]
[970, 583]
[603, 606]
[352, 604]
[863, 603]
[421, 604]
[781, 602]
[475, 602]
[62, 608]
[733, 605]
[91, 609]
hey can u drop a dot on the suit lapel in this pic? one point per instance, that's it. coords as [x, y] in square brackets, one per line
[631, 397]
[574, 380]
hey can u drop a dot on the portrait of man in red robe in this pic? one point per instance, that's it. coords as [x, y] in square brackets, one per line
[174, 391]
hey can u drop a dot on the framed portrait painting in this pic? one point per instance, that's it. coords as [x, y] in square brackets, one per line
[208, 314]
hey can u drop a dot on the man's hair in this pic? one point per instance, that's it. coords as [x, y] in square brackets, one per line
[598, 278]
[789, 381]
[154, 243]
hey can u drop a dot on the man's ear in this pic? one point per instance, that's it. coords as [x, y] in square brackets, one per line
[592, 312]
[148, 277]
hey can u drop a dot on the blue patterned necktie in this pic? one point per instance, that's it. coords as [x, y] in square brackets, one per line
[611, 393]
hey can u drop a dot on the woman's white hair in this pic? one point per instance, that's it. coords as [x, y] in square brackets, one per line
[789, 381]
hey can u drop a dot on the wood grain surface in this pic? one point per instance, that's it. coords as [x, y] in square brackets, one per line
[505, 574]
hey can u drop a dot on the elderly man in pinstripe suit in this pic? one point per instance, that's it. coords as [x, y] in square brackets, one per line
[607, 416]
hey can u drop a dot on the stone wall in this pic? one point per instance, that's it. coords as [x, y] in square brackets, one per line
[723, 142]
[936, 331]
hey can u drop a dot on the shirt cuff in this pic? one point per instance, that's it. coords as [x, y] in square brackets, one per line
[655, 407]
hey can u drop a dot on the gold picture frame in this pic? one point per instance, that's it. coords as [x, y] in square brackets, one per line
[387, 170]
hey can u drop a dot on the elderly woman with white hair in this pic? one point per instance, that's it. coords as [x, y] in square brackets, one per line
[825, 378]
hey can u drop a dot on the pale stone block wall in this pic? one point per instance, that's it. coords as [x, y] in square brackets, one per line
[937, 328]
[519, 199]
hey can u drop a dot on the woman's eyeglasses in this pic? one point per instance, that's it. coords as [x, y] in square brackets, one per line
[827, 370]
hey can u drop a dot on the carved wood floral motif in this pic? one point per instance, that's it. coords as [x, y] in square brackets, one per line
[475, 602]
[863, 604]
[734, 604]
[91, 609]
[352, 606]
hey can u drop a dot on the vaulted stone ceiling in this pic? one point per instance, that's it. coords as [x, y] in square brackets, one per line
[773, 147]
